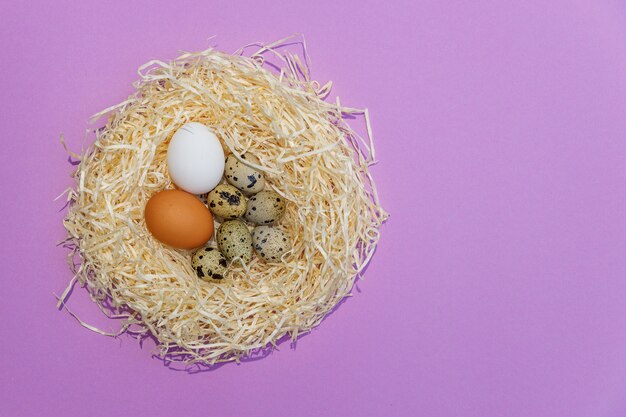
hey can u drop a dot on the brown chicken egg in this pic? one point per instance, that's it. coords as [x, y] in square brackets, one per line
[178, 219]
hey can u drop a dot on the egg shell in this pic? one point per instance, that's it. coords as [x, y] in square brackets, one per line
[234, 240]
[209, 264]
[178, 219]
[265, 207]
[227, 202]
[195, 158]
[270, 243]
[247, 179]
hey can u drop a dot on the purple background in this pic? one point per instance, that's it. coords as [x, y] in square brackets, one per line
[498, 288]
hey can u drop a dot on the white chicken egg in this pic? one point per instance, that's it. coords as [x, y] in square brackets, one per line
[195, 158]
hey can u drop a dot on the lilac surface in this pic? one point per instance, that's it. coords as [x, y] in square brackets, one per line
[498, 288]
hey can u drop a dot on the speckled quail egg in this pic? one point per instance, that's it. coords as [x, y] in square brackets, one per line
[246, 178]
[270, 243]
[234, 240]
[265, 207]
[209, 264]
[227, 202]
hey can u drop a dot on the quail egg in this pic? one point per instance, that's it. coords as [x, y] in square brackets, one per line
[265, 208]
[209, 264]
[242, 176]
[227, 202]
[234, 240]
[270, 243]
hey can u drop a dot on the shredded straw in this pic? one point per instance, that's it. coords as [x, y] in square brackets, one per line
[308, 155]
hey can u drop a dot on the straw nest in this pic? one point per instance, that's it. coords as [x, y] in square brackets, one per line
[265, 104]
